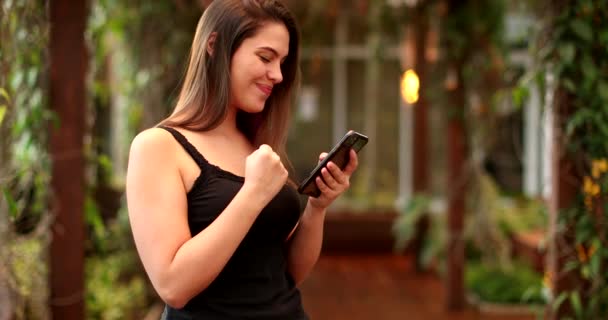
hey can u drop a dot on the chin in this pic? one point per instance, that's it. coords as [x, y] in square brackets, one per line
[253, 104]
[255, 109]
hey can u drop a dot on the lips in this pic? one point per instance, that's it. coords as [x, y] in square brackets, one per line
[267, 90]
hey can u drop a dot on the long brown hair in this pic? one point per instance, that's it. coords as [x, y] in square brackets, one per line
[205, 94]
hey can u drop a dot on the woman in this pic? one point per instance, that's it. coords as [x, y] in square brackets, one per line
[216, 220]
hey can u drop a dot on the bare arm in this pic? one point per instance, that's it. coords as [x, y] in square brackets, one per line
[181, 266]
[305, 245]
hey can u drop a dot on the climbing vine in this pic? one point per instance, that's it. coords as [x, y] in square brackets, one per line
[573, 49]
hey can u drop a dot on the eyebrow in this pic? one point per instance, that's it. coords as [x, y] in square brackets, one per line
[275, 52]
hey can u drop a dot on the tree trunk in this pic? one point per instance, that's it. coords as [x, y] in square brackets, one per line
[67, 99]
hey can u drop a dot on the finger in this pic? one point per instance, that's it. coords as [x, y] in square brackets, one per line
[265, 147]
[322, 156]
[353, 162]
[336, 173]
[322, 186]
[329, 179]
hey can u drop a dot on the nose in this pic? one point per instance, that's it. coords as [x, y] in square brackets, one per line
[275, 74]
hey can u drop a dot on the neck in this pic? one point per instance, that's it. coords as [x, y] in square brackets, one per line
[228, 126]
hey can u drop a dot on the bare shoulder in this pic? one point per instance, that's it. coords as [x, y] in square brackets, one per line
[153, 142]
[152, 158]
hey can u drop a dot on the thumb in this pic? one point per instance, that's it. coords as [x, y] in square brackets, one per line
[322, 156]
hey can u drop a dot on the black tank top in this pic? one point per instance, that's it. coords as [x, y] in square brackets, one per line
[255, 283]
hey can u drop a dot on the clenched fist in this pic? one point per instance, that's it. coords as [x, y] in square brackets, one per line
[265, 173]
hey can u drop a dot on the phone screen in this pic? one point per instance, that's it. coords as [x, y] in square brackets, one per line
[338, 155]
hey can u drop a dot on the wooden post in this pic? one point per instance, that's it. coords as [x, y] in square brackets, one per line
[456, 196]
[340, 76]
[456, 184]
[420, 152]
[421, 143]
[372, 86]
[564, 187]
[67, 100]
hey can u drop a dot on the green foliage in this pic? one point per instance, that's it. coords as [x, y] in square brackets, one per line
[573, 48]
[24, 161]
[404, 227]
[23, 108]
[116, 285]
[111, 292]
[4, 101]
[131, 67]
[518, 284]
[488, 228]
[28, 275]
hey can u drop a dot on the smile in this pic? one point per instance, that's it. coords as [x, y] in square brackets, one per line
[265, 89]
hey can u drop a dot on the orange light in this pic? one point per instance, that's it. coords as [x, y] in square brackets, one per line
[410, 84]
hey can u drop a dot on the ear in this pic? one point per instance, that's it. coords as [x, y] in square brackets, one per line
[211, 43]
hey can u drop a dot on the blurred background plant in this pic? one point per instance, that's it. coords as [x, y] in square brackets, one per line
[476, 65]
[134, 74]
[571, 64]
[24, 160]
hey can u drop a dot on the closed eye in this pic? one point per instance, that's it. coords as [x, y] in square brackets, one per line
[264, 59]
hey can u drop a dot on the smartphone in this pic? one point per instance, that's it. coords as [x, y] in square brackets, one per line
[340, 154]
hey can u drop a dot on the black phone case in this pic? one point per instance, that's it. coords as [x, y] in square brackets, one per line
[338, 155]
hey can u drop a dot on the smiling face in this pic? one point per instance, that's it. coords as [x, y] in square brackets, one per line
[256, 67]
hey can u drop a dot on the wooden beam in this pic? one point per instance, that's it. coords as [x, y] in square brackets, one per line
[67, 100]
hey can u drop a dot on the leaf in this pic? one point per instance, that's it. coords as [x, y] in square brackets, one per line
[17, 80]
[566, 52]
[604, 38]
[2, 112]
[575, 301]
[582, 29]
[519, 94]
[594, 265]
[93, 217]
[4, 94]
[585, 272]
[577, 120]
[105, 164]
[569, 84]
[32, 76]
[559, 300]
[601, 124]
[404, 226]
[571, 265]
[588, 67]
[12, 204]
[602, 89]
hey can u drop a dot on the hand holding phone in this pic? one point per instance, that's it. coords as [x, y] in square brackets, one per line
[338, 155]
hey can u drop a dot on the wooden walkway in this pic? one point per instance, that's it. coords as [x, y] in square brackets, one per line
[380, 287]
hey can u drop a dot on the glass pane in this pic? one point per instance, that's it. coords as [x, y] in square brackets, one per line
[311, 135]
